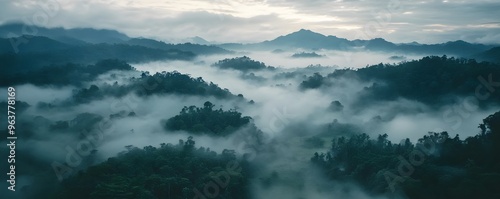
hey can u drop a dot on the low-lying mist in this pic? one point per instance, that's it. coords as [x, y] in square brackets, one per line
[286, 114]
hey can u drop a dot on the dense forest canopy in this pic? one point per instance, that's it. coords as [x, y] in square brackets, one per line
[439, 165]
[66, 74]
[306, 55]
[157, 84]
[433, 80]
[27, 60]
[240, 63]
[170, 171]
[207, 120]
[98, 114]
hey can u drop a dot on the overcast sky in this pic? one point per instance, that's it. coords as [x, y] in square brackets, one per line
[425, 21]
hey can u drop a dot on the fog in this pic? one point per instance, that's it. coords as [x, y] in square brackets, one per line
[286, 114]
[342, 59]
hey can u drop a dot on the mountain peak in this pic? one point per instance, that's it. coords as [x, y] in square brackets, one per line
[199, 40]
[304, 38]
[305, 32]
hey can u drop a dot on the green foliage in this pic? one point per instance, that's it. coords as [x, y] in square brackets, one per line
[336, 106]
[207, 120]
[312, 82]
[431, 80]
[492, 55]
[188, 47]
[446, 167]
[306, 55]
[240, 63]
[24, 62]
[175, 82]
[171, 171]
[66, 74]
[157, 84]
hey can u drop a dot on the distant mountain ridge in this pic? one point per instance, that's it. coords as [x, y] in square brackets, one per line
[302, 39]
[307, 39]
[43, 51]
[195, 48]
[85, 35]
[90, 36]
[492, 55]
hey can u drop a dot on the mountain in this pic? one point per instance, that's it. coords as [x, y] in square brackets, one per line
[27, 44]
[379, 44]
[307, 39]
[492, 55]
[459, 47]
[88, 35]
[40, 51]
[198, 40]
[195, 48]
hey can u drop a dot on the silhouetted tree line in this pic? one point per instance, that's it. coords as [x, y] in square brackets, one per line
[41, 51]
[432, 80]
[241, 63]
[188, 47]
[312, 82]
[207, 120]
[66, 74]
[175, 82]
[437, 166]
[306, 55]
[157, 84]
[170, 171]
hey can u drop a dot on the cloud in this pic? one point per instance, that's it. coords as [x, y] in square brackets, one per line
[251, 21]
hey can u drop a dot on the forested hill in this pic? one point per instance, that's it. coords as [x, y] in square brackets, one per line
[22, 51]
[439, 165]
[41, 51]
[433, 80]
[170, 171]
[189, 47]
[307, 39]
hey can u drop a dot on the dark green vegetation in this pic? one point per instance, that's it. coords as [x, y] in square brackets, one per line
[177, 83]
[207, 120]
[492, 55]
[72, 36]
[397, 57]
[336, 106]
[241, 63]
[157, 84]
[435, 81]
[437, 166]
[188, 47]
[66, 74]
[312, 82]
[38, 52]
[24, 48]
[145, 85]
[171, 171]
[306, 55]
